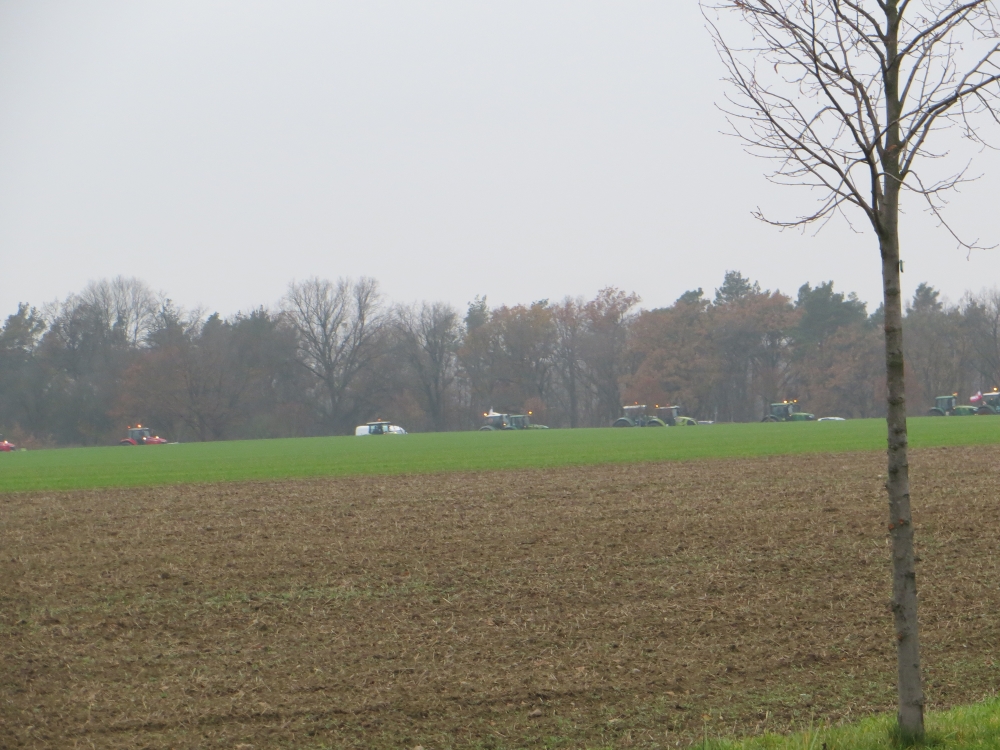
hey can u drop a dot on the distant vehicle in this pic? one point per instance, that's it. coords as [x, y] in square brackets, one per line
[637, 415]
[787, 411]
[948, 406]
[378, 427]
[671, 416]
[987, 403]
[6, 447]
[492, 421]
[140, 435]
[831, 419]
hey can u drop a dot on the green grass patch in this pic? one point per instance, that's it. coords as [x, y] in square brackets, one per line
[81, 468]
[975, 727]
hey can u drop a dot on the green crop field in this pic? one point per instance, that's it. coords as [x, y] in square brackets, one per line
[77, 468]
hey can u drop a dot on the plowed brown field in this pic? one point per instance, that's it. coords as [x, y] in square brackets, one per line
[622, 606]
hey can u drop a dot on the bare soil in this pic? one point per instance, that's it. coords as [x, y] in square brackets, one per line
[620, 606]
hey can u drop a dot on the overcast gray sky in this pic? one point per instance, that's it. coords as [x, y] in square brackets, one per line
[521, 150]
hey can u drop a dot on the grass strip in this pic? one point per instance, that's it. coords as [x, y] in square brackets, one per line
[86, 468]
[973, 727]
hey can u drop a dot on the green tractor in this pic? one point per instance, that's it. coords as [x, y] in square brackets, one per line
[948, 406]
[988, 403]
[493, 421]
[787, 411]
[662, 416]
[671, 415]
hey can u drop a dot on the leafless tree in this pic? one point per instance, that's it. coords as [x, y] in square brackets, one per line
[338, 327]
[605, 347]
[570, 331]
[849, 98]
[126, 306]
[430, 335]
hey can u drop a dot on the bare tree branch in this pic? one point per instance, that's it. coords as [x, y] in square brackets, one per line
[845, 96]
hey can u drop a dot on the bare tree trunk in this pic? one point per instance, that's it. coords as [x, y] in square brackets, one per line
[904, 579]
[904, 576]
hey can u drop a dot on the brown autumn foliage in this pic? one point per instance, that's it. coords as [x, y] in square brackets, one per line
[79, 371]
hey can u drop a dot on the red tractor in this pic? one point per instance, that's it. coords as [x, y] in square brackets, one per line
[140, 435]
[6, 447]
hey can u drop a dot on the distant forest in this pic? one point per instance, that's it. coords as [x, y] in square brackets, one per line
[334, 354]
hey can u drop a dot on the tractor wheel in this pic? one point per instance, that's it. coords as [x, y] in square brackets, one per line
[622, 423]
[486, 428]
[984, 409]
[935, 412]
[769, 418]
[655, 422]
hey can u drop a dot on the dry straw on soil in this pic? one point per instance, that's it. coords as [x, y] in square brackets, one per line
[634, 606]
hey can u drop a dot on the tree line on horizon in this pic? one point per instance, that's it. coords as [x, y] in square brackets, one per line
[334, 354]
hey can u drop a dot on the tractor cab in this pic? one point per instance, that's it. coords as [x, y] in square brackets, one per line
[140, 435]
[783, 410]
[379, 427]
[945, 404]
[668, 413]
[787, 411]
[671, 416]
[634, 411]
[520, 421]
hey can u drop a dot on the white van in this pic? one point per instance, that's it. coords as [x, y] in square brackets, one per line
[379, 428]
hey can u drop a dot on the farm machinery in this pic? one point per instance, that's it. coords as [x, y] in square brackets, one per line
[6, 447]
[140, 435]
[493, 421]
[663, 416]
[787, 411]
[987, 403]
[948, 406]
